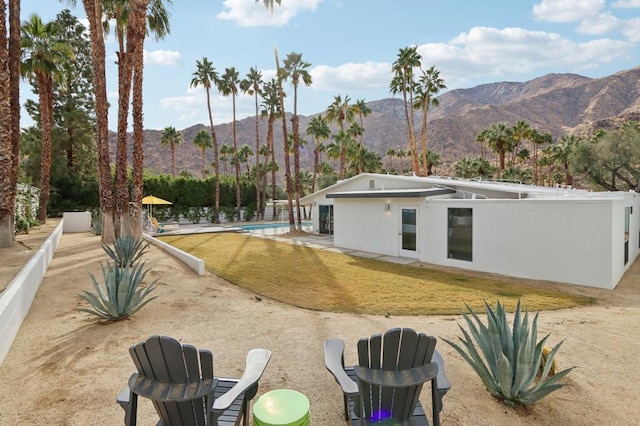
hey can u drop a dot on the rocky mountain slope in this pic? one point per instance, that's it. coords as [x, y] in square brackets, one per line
[555, 103]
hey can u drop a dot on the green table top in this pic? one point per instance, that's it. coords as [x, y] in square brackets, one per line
[281, 407]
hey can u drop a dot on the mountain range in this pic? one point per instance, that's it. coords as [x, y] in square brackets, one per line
[556, 103]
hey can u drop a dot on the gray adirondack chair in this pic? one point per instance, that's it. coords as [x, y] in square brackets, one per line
[386, 385]
[179, 380]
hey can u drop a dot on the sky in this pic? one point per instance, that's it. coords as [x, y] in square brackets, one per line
[351, 45]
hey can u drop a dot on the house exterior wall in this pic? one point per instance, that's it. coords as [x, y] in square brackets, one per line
[573, 241]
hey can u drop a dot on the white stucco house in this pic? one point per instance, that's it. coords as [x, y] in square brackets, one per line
[557, 234]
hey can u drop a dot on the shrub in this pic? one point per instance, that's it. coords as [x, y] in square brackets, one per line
[510, 359]
[121, 294]
[96, 222]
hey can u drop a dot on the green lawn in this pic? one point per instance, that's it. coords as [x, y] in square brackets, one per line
[325, 281]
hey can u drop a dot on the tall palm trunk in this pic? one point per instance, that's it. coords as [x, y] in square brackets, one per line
[316, 163]
[136, 35]
[45, 90]
[423, 138]
[7, 203]
[216, 164]
[296, 155]
[272, 152]
[93, 9]
[258, 169]
[14, 90]
[287, 162]
[236, 159]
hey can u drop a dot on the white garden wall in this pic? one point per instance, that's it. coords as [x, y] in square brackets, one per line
[16, 299]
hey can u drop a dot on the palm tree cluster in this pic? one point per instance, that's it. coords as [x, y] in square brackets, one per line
[521, 155]
[418, 93]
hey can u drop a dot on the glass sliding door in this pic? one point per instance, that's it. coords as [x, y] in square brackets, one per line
[325, 217]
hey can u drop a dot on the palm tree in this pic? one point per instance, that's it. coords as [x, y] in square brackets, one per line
[294, 68]
[521, 131]
[339, 112]
[402, 82]
[538, 140]
[226, 154]
[94, 12]
[483, 140]
[43, 52]
[9, 139]
[205, 75]
[271, 109]
[171, 137]
[500, 140]
[344, 141]
[561, 152]
[244, 153]
[157, 20]
[433, 160]
[285, 142]
[363, 160]
[251, 86]
[228, 85]
[363, 111]
[390, 153]
[203, 141]
[318, 128]
[428, 87]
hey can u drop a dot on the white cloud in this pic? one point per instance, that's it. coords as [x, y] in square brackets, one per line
[626, 4]
[192, 107]
[248, 13]
[631, 30]
[162, 57]
[495, 52]
[601, 24]
[567, 10]
[351, 76]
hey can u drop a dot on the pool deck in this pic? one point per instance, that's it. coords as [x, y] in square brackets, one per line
[320, 242]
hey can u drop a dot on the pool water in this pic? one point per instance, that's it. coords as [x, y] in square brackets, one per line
[282, 227]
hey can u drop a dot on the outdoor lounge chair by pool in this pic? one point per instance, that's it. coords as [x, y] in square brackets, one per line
[386, 384]
[180, 382]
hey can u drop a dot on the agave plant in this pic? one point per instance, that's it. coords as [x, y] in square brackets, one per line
[122, 294]
[127, 250]
[510, 359]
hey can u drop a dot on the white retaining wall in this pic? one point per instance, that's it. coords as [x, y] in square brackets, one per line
[193, 262]
[16, 299]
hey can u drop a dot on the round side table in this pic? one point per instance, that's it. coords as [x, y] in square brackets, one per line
[281, 407]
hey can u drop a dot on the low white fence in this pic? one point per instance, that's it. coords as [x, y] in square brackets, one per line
[16, 299]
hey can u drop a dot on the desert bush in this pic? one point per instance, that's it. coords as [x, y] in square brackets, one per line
[509, 360]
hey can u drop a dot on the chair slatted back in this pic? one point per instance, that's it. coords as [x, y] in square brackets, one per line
[166, 360]
[398, 349]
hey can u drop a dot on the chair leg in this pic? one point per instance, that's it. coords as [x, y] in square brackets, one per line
[132, 410]
[346, 408]
[436, 402]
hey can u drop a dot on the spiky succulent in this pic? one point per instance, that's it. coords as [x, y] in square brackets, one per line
[510, 359]
[121, 295]
[127, 250]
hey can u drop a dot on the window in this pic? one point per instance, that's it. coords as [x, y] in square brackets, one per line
[460, 234]
[627, 213]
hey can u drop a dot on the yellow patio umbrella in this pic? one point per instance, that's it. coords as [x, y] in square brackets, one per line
[151, 200]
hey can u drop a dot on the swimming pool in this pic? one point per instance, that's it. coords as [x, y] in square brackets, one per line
[275, 227]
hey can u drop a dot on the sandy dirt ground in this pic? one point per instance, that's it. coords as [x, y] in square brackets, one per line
[66, 369]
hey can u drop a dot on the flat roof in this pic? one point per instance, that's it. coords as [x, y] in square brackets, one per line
[393, 193]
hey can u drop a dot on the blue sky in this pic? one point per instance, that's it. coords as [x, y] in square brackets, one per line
[351, 45]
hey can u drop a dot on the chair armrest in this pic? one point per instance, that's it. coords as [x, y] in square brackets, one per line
[123, 398]
[334, 361]
[257, 360]
[397, 378]
[443, 382]
[170, 392]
